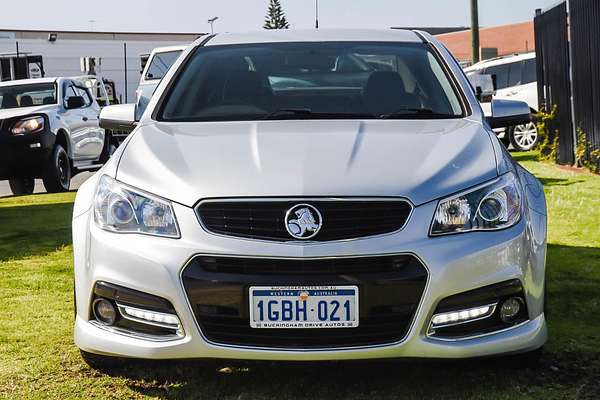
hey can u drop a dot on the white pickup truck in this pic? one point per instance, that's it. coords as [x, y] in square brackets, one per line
[49, 130]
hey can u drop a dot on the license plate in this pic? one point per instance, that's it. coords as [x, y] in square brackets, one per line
[304, 307]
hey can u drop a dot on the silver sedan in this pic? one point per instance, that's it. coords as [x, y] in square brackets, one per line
[311, 195]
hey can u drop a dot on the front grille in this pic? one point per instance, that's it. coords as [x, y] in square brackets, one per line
[390, 290]
[299, 267]
[342, 219]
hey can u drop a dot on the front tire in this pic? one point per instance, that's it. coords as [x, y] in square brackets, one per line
[22, 186]
[523, 137]
[57, 177]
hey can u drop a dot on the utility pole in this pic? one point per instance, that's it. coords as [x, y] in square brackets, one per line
[316, 14]
[475, 31]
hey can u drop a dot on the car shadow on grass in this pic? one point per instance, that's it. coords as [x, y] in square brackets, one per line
[410, 379]
[559, 181]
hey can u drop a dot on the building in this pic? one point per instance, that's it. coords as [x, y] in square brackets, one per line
[494, 41]
[117, 54]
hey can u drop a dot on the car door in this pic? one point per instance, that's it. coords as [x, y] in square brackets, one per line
[86, 144]
[528, 89]
[94, 143]
[73, 119]
[516, 81]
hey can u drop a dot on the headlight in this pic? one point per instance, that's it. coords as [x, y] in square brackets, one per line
[491, 207]
[28, 125]
[119, 208]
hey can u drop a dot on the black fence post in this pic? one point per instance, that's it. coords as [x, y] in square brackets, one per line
[554, 83]
[585, 44]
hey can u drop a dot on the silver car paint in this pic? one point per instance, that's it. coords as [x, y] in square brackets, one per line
[456, 263]
[418, 160]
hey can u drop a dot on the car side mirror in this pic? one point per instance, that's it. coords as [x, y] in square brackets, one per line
[484, 87]
[120, 117]
[75, 102]
[507, 113]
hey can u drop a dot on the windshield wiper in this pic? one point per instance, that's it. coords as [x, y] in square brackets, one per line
[307, 113]
[422, 113]
[288, 112]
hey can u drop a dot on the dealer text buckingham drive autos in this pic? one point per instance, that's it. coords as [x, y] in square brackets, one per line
[311, 195]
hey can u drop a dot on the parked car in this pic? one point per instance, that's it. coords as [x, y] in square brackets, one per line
[48, 129]
[515, 79]
[335, 219]
[157, 65]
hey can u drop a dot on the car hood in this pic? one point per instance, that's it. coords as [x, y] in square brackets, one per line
[23, 111]
[419, 160]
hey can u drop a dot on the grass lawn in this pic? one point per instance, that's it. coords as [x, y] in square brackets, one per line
[38, 359]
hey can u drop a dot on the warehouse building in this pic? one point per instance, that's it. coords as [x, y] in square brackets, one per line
[116, 55]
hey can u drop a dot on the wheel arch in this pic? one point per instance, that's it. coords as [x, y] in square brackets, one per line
[62, 138]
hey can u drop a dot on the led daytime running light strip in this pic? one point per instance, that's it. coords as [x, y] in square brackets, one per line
[163, 320]
[462, 316]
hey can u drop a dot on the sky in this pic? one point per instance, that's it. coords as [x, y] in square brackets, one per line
[245, 15]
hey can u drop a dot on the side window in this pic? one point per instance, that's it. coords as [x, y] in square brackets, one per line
[72, 90]
[501, 74]
[83, 92]
[514, 75]
[529, 71]
[68, 92]
[160, 64]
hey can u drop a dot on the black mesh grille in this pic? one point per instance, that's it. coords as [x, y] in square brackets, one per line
[345, 219]
[368, 265]
[390, 289]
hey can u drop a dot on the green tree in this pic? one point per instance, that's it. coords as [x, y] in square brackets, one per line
[275, 18]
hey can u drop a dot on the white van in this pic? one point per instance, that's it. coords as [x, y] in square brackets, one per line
[515, 79]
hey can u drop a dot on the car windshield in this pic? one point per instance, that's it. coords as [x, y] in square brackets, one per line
[303, 80]
[27, 95]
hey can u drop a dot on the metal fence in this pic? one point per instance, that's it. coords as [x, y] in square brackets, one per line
[585, 45]
[568, 61]
[554, 86]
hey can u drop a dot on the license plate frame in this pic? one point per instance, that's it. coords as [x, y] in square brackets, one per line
[312, 296]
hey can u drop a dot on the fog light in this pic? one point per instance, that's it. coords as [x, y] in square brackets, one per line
[462, 316]
[510, 308]
[104, 311]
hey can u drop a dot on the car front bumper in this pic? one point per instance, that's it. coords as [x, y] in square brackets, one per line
[455, 264]
[24, 155]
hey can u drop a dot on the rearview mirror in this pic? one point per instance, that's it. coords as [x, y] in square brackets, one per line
[507, 113]
[75, 102]
[119, 117]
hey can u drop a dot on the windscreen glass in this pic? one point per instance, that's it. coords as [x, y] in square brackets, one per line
[303, 80]
[27, 95]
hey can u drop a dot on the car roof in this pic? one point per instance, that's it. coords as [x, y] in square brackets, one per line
[314, 35]
[500, 61]
[28, 81]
